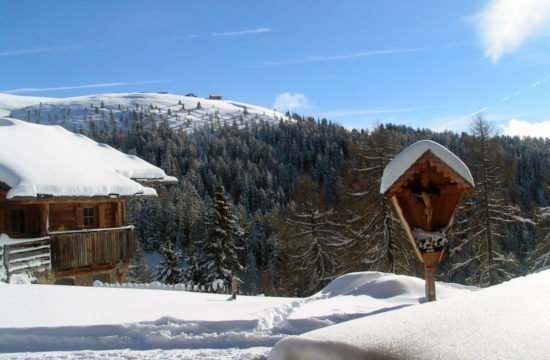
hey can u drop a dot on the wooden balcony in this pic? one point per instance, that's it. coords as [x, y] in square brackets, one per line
[83, 248]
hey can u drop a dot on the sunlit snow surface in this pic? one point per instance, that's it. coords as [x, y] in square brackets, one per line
[41, 321]
[507, 321]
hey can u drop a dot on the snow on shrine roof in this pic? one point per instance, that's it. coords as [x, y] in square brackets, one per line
[405, 159]
[42, 160]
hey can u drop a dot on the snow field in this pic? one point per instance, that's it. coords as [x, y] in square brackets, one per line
[78, 320]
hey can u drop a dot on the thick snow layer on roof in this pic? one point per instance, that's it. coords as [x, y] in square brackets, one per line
[406, 158]
[49, 160]
[508, 321]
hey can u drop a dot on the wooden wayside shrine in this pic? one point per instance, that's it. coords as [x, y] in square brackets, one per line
[426, 183]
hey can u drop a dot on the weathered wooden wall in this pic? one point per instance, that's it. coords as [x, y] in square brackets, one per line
[81, 249]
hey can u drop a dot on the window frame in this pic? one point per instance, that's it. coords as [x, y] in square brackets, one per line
[17, 221]
[89, 217]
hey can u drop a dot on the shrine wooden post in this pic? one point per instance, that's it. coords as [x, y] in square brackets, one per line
[426, 183]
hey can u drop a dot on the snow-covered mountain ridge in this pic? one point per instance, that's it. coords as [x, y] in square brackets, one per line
[108, 111]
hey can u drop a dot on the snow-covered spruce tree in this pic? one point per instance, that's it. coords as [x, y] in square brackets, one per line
[169, 270]
[478, 248]
[381, 242]
[540, 258]
[258, 252]
[139, 270]
[192, 274]
[190, 210]
[219, 253]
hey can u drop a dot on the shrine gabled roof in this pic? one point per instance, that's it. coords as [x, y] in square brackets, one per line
[408, 157]
[44, 160]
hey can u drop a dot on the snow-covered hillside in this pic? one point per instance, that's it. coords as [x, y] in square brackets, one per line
[132, 323]
[10, 102]
[106, 111]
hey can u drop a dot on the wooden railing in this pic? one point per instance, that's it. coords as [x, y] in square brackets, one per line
[74, 249]
[25, 255]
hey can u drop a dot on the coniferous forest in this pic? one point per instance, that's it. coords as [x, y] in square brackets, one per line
[287, 207]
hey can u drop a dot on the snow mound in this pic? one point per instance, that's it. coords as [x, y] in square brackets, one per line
[49, 160]
[376, 285]
[380, 285]
[507, 321]
[361, 294]
[406, 158]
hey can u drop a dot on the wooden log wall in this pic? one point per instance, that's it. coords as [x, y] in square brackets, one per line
[73, 250]
[44, 215]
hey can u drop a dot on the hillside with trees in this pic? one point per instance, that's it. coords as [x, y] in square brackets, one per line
[303, 201]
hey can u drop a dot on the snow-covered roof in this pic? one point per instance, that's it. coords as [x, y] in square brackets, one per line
[49, 160]
[406, 158]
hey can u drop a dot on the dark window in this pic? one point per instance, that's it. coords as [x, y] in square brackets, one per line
[67, 281]
[88, 217]
[17, 218]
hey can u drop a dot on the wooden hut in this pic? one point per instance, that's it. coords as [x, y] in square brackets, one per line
[62, 204]
[426, 183]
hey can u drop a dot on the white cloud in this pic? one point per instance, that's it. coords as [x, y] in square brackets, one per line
[40, 50]
[243, 32]
[320, 58]
[288, 101]
[86, 86]
[455, 123]
[524, 128]
[506, 24]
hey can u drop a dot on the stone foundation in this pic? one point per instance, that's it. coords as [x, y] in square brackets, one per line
[118, 273]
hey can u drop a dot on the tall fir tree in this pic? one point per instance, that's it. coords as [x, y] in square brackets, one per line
[139, 269]
[169, 270]
[219, 252]
[478, 249]
[540, 257]
[311, 242]
[382, 243]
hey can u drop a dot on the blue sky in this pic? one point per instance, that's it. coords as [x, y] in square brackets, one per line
[418, 63]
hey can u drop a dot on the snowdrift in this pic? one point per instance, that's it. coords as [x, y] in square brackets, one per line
[508, 321]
